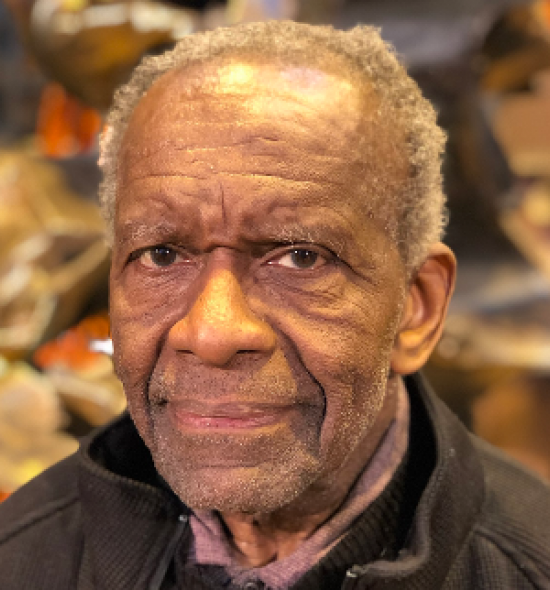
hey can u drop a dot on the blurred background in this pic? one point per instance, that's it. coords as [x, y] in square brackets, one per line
[485, 64]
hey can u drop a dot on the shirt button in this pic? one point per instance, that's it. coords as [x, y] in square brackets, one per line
[253, 586]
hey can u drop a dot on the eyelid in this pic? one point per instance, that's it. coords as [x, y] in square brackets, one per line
[323, 250]
[276, 253]
[138, 253]
[325, 253]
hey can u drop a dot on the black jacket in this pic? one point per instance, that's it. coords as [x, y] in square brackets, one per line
[100, 521]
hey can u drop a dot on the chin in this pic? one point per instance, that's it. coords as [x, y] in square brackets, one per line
[252, 490]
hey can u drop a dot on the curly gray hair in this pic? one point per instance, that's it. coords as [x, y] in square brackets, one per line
[419, 208]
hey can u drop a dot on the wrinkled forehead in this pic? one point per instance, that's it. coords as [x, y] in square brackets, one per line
[240, 89]
[252, 87]
[313, 110]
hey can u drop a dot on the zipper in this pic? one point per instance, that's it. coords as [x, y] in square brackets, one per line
[168, 556]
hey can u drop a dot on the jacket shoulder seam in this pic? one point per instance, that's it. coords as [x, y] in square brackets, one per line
[530, 571]
[36, 517]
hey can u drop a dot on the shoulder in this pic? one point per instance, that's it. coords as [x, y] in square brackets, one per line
[501, 509]
[40, 499]
[511, 539]
[37, 524]
[517, 505]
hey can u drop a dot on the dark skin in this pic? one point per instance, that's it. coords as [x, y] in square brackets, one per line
[261, 315]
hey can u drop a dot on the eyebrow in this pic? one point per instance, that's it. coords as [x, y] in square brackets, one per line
[328, 235]
[132, 231]
[325, 235]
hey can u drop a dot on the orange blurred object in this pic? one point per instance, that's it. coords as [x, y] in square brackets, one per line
[65, 126]
[72, 348]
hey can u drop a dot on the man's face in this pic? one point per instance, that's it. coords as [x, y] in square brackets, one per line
[255, 294]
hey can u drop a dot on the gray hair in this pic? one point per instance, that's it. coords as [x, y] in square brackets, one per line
[419, 208]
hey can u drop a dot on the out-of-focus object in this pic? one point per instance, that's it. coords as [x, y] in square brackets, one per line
[475, 341]
[517, 47]
[52, 253]
[514, 415]
[104, 345]
[541, 82]
[91, 47]
[84, 379]
[30, 421]
[501, 320]
[257, 10]
[71, 350]
[522, 126]
[497, 336]
[20, 84]
[65, 126]
[528, 224]
[426, 33]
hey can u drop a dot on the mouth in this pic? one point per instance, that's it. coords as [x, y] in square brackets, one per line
[227, 416]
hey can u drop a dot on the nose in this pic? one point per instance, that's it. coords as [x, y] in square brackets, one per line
[221, 324]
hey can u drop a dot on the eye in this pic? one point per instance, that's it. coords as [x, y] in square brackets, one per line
[158, 256]
[300, 258]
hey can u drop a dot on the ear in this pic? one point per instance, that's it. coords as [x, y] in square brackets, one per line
[424, 312]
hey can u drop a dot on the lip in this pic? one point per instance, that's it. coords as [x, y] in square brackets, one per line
[227, 416]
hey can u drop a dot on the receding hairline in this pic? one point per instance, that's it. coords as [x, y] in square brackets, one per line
[325, 60]
[360, 55]
[190, 80]
[193, 84]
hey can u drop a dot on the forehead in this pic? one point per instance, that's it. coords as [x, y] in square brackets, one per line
[227, 76]
[245, 93]
[297, 124]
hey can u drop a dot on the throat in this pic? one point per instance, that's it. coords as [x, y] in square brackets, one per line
[256, 543]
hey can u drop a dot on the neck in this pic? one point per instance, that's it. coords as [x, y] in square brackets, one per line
[260, 539]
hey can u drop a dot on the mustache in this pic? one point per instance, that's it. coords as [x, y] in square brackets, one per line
[219, 388]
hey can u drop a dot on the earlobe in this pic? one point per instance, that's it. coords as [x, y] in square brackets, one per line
[424, 312]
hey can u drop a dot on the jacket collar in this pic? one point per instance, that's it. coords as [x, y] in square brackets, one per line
[448, 506]
[119, 491]
[128, 520]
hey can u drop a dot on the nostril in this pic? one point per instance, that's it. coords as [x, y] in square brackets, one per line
[220, 324]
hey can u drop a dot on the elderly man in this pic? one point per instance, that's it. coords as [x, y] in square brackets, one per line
[274, 200]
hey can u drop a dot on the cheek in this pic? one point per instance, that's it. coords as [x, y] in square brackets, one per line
[341, 332]
[346, 348]
[139, 323]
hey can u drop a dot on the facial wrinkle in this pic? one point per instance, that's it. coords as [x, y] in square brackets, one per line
[222, 203]
[257, 150]
[337, 237]
[290, 456]
[195, 168]
[135, 157]
[250, 378]
[305, 183]
[278, 176]
[296, 360]
[137, 177]
[317, 178]
[186, 124]
[139, 156]
[338, 359]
